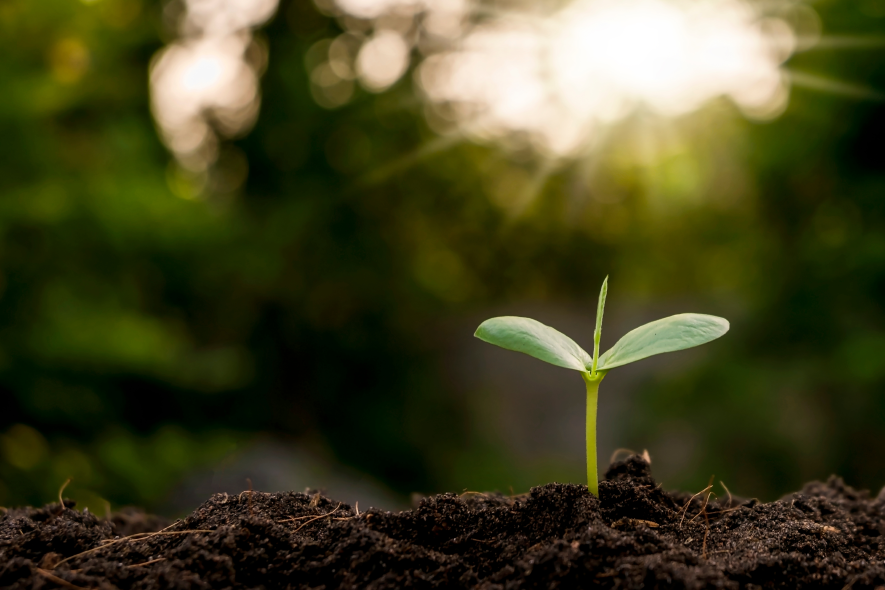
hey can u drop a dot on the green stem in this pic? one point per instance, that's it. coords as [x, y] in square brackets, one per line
[592, 395]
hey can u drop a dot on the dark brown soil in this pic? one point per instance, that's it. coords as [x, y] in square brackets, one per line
[558, 536]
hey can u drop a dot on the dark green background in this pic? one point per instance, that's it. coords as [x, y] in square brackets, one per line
[328, 302]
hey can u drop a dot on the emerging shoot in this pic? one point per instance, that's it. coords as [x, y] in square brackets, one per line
[533, 338]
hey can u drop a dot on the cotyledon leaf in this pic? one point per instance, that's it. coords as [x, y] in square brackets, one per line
[534, 339]
[670, 334]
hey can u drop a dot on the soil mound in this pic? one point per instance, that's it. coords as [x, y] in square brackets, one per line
[635, 535]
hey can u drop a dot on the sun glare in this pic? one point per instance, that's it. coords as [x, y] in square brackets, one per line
[597, 61]
[555, 77]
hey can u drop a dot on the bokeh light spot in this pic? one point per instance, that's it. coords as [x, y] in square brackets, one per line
[205, 85]
[382, 60]
[23, 446]
[69, 59]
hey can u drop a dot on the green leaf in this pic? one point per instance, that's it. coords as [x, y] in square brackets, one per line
[597, 334]
[534, 339]
[676, 332]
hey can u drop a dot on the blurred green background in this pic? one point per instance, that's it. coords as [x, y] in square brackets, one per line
[295, 302]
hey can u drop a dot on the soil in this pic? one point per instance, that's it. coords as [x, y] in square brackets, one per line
[635, 535]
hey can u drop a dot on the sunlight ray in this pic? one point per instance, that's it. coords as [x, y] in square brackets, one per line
[830, 86]
[429, 149]
[849, 42]
[533, 189]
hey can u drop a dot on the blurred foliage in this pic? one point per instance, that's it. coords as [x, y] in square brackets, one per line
[150, 327]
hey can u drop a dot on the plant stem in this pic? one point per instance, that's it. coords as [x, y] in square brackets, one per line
[592, 382]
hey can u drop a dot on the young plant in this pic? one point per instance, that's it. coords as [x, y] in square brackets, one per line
[533, 338]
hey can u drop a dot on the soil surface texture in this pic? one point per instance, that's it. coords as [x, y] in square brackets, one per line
[635, 535]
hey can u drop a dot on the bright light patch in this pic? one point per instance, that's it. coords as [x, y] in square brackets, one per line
[554, 78]
[370, 8]
[382, 60]
[203, 85]
[191, 81]
[202, 74]
[223, 17]
[597, 61]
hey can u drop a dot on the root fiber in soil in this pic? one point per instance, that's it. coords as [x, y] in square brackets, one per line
[635, 535]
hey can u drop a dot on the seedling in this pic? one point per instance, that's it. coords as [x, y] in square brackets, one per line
[533, 338]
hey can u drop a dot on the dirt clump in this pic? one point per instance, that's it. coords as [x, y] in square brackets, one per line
[635, 535]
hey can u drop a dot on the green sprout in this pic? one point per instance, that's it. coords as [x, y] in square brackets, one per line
[533, 338]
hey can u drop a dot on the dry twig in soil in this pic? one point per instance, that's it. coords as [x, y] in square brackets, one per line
[59, 581]
[135, 537]
[687, 504]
